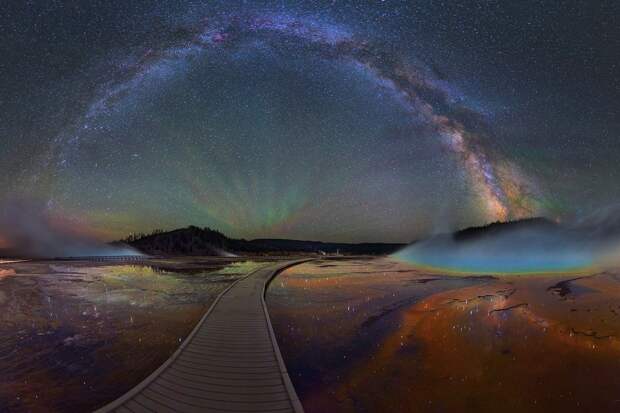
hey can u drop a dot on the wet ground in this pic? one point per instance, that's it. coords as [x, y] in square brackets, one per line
[76, 335]
[373, 336]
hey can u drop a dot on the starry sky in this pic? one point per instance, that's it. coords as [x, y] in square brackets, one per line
[340, 120]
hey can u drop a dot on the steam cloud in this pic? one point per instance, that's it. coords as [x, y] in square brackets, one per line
[526, 247]
[29, 229]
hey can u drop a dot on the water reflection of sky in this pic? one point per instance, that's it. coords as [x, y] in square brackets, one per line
[75, 336]
[327, 314]
[383, 336]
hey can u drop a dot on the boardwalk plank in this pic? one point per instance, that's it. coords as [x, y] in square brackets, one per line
[136, 408]
[229, 389]
[185, 403]
[152, 405]
[222, 355]
[225, 374]
[227, 361]
[243, 382]
[222, 362]
[233, 369]
[230, 354]
[221, 396]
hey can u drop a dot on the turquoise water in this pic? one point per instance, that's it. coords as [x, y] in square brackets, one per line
[482, 262]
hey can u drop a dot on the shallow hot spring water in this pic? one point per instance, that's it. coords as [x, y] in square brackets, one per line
[75, 336]
[381, 335]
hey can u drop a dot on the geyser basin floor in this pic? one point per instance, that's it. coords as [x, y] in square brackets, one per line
[75, 335]
[382, 336]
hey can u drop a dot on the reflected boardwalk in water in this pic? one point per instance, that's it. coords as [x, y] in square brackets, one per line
[230, 362]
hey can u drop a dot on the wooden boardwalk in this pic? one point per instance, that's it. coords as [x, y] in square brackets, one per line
[229, 363]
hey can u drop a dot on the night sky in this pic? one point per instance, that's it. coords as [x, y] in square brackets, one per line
[330, 120]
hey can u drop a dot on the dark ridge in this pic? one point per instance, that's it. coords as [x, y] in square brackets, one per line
[205, 241]
[498, 228]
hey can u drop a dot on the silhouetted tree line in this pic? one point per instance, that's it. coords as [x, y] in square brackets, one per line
[139, 235]
[496, 228]
[206, 241]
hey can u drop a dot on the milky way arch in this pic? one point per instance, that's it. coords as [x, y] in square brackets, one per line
[502, 188]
